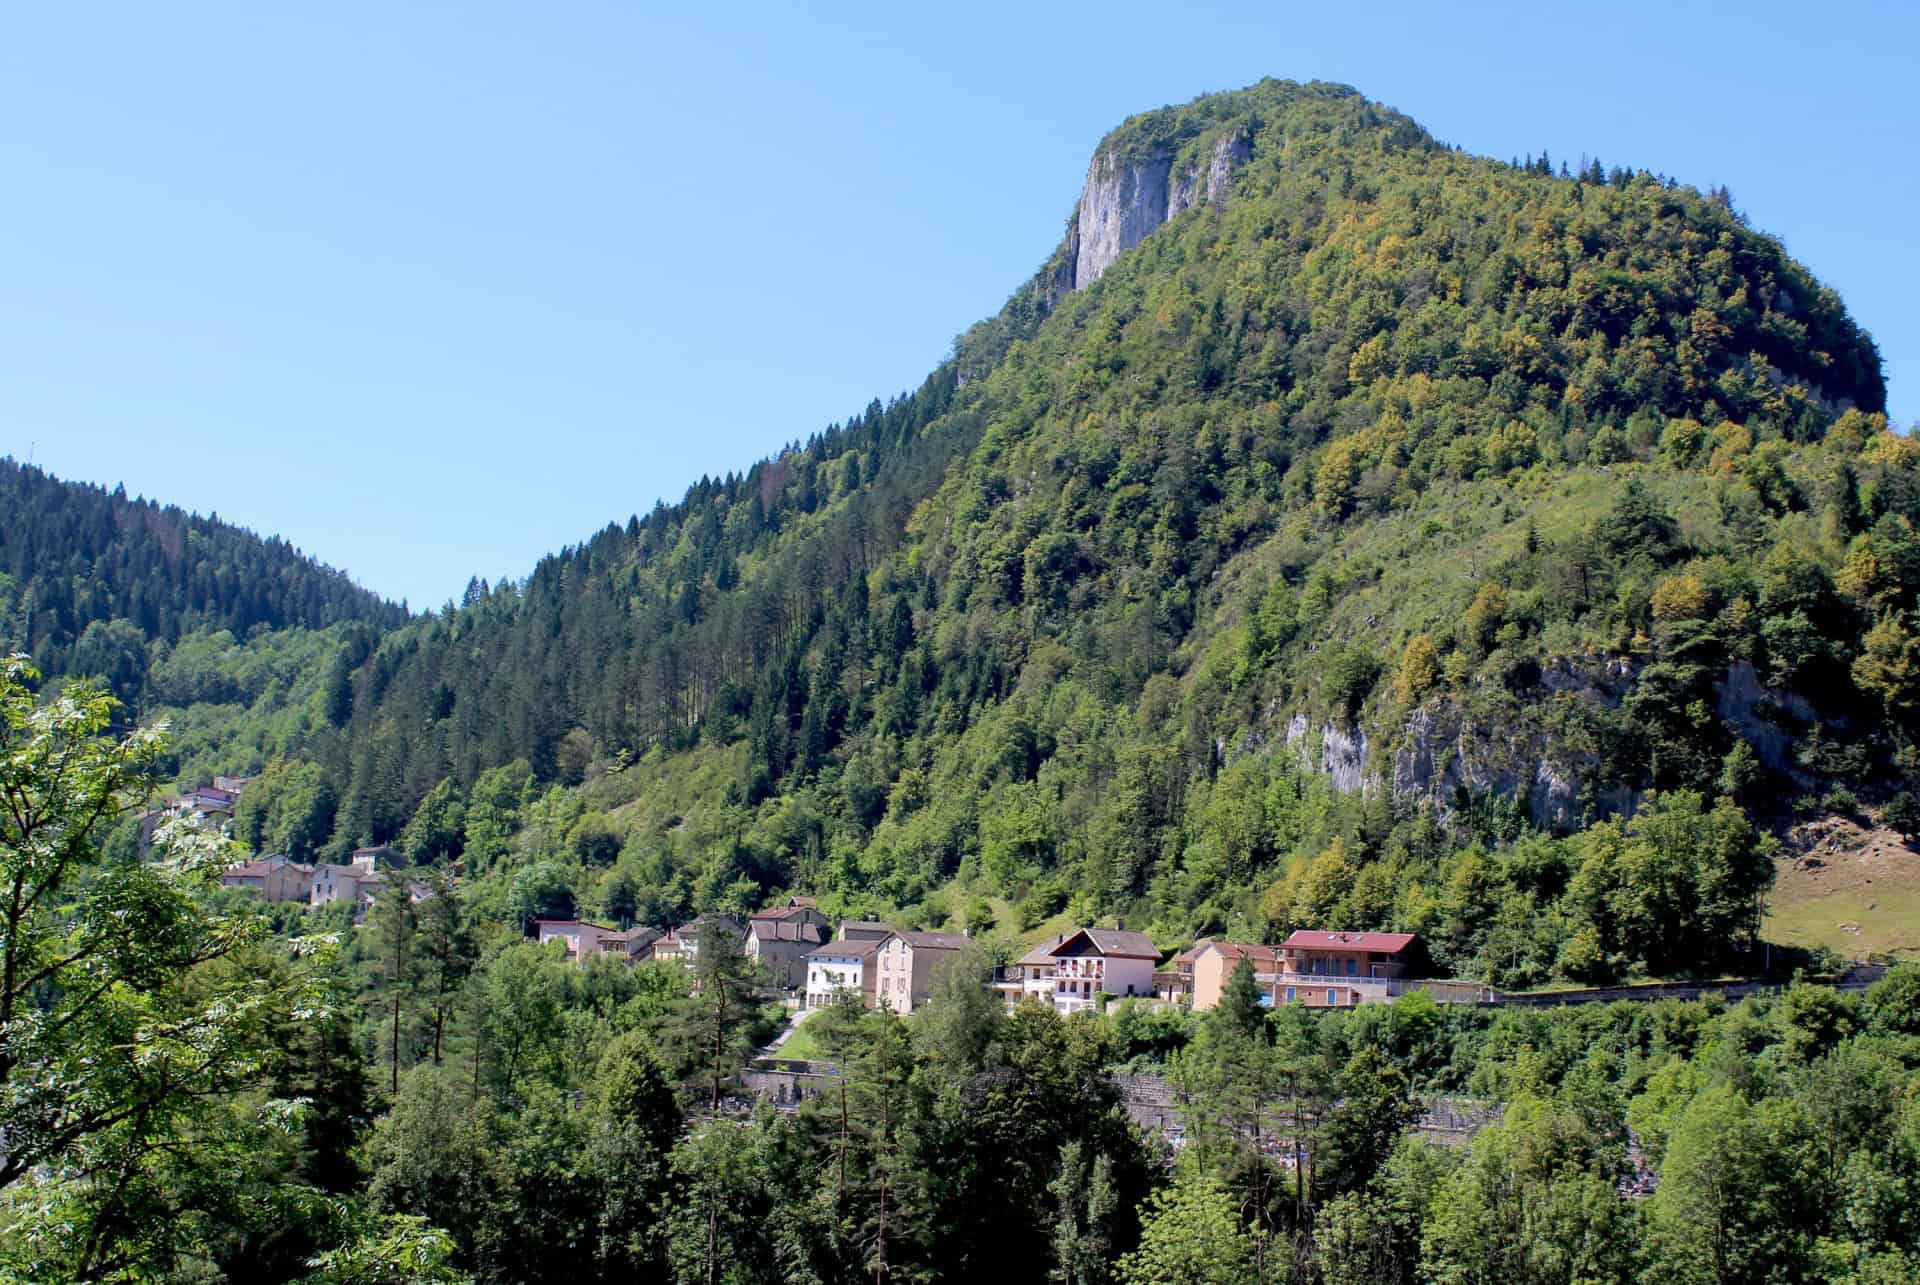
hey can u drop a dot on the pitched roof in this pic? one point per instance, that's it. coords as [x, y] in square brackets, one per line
[1192, 952]
[1320, 939]
[1234, 951]
[778, 913]
[1043, 953]
[568, 923]
[787, 930]
[843, 949]
[865, 925]
[1119, 941]
[1111, 942]
[934, 941]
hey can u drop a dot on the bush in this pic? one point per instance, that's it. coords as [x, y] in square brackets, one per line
[1901, 813]
[1352, 670]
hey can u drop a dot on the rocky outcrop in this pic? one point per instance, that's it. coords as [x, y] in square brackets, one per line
[1769, 718]
[1444, 753]
[1445, 756]
[1122, 202]
[1229, 154]
[1340, 752]
[1125, 199]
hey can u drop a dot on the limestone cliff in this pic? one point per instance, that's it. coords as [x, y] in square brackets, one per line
[1127, 197]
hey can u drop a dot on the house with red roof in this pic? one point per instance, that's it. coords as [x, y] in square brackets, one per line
[1327, 969]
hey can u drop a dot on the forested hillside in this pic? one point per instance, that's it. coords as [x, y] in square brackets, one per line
[90, 581]
[1494, 495]
[1388, 538]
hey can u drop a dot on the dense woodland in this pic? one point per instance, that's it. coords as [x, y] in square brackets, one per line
[1396, 444]
[94, 583]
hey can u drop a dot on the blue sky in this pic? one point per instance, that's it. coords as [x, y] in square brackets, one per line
[432, 289]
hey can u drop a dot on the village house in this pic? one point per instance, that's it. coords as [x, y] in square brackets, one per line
[361, 880]
[211, 797]
[1071, 971]
[1216, 962]
[336, 883]
[1173, 983]
[370, 890]
[779, 939]
[683, 943]
[907, 965]
[863, 930]
[584, 938]
[841, 967]
[1324, 969]
[274, 878]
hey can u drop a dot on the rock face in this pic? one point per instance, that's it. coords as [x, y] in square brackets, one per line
[1229, 154]
[1443, 754]
[1122, 202]
[1125, 200]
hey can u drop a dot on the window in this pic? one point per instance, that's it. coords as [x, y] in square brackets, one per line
[1289, 994]
[1349, 967]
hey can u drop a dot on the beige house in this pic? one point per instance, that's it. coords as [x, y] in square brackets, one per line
[1174, 980]
[334, 883]
[584, 939]
[683, 943]
[275, 878]
[1215, 963]
[906, 965]
[360, 881]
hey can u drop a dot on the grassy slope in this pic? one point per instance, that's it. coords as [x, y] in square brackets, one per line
[1853, 890]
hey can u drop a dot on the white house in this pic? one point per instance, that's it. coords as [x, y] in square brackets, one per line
[841, 968]
[1072, 971]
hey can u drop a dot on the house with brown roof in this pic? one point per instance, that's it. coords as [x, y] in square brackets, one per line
[1071, 971]
[274, 878]
[841, 968]
[584, 938]
[1327, 969]
[863, 930]
[779, 939]
[683, 943]
[334, 883]
[1173, 982]
[907, 965]
[1216, 962]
